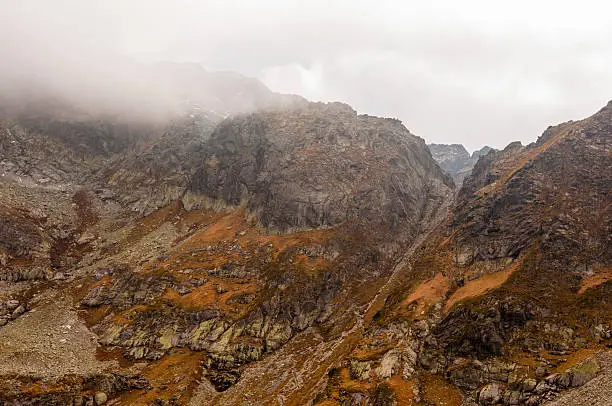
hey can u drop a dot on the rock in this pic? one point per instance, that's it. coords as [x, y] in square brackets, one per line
[464, 256]
[100, 398]
[584, 372]
[335, 148]
[12, 304]
[389, 364]
[359, 370]
[455, 159]
[469, 376]
[602, 332]
[86, 238]
[18, 311]
[544, 387]
[533, 401]
[541, 371]
[528, 385]
[357, 399]
[565, 379]
[490, 394]
[512, 397]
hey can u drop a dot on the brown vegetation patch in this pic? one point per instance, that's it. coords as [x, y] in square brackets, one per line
[480, 286]
[601, 275]
[174, 376]
[346, 383]
[427, 293]
[576, 358]
[203, 297]
[370, 349]
[214, 294]
[403, 390]
[41, 387]
[230, 240]
[94, 315]
[106, 354]
[437, 391]
[518, 162]
[328, 402]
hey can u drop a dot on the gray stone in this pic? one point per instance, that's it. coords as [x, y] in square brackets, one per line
[584, 372]
[12, 304]
[512, 397]
[528, 385]
[18, 311]
[490, 394]
[100, 398]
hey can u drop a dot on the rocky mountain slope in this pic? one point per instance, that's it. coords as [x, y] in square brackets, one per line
[455, 159]
[509, 301]
[321, 165]
[173, 248]
[299, 254]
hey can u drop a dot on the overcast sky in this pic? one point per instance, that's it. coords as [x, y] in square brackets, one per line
[471, 72]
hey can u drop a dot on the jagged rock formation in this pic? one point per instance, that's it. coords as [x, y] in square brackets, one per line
[455, 159]
[300, 253]
[185, 281]
[516, 287]
[321, 165]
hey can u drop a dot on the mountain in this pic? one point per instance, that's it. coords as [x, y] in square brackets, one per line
[455, 159]
[296, 253]
[508, 302]
[321, 165]
[206, 244]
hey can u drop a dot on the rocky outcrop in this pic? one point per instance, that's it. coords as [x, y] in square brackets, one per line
[520, 218]
[523, 193]
[455, 160]
[72, 389]
[278, 163]
[321, 165]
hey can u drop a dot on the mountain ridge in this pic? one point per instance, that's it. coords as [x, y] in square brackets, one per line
[300, 253]
[455, 159]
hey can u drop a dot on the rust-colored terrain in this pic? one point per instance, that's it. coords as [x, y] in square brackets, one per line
[303, 254]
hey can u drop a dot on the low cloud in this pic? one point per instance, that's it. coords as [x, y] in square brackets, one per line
[476, 72]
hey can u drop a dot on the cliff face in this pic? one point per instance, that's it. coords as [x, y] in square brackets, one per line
[523, 194]
[321, 165]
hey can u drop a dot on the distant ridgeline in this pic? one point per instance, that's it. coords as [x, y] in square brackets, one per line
[455, 160]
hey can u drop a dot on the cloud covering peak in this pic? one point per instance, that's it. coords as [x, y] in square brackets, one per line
[472, 72]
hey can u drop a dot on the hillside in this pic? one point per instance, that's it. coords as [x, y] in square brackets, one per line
[187, 262]
[509, 301]
[297, 253]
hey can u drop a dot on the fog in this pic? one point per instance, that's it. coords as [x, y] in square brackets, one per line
[471, 72]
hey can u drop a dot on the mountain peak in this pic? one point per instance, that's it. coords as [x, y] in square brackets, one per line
[455, 159]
